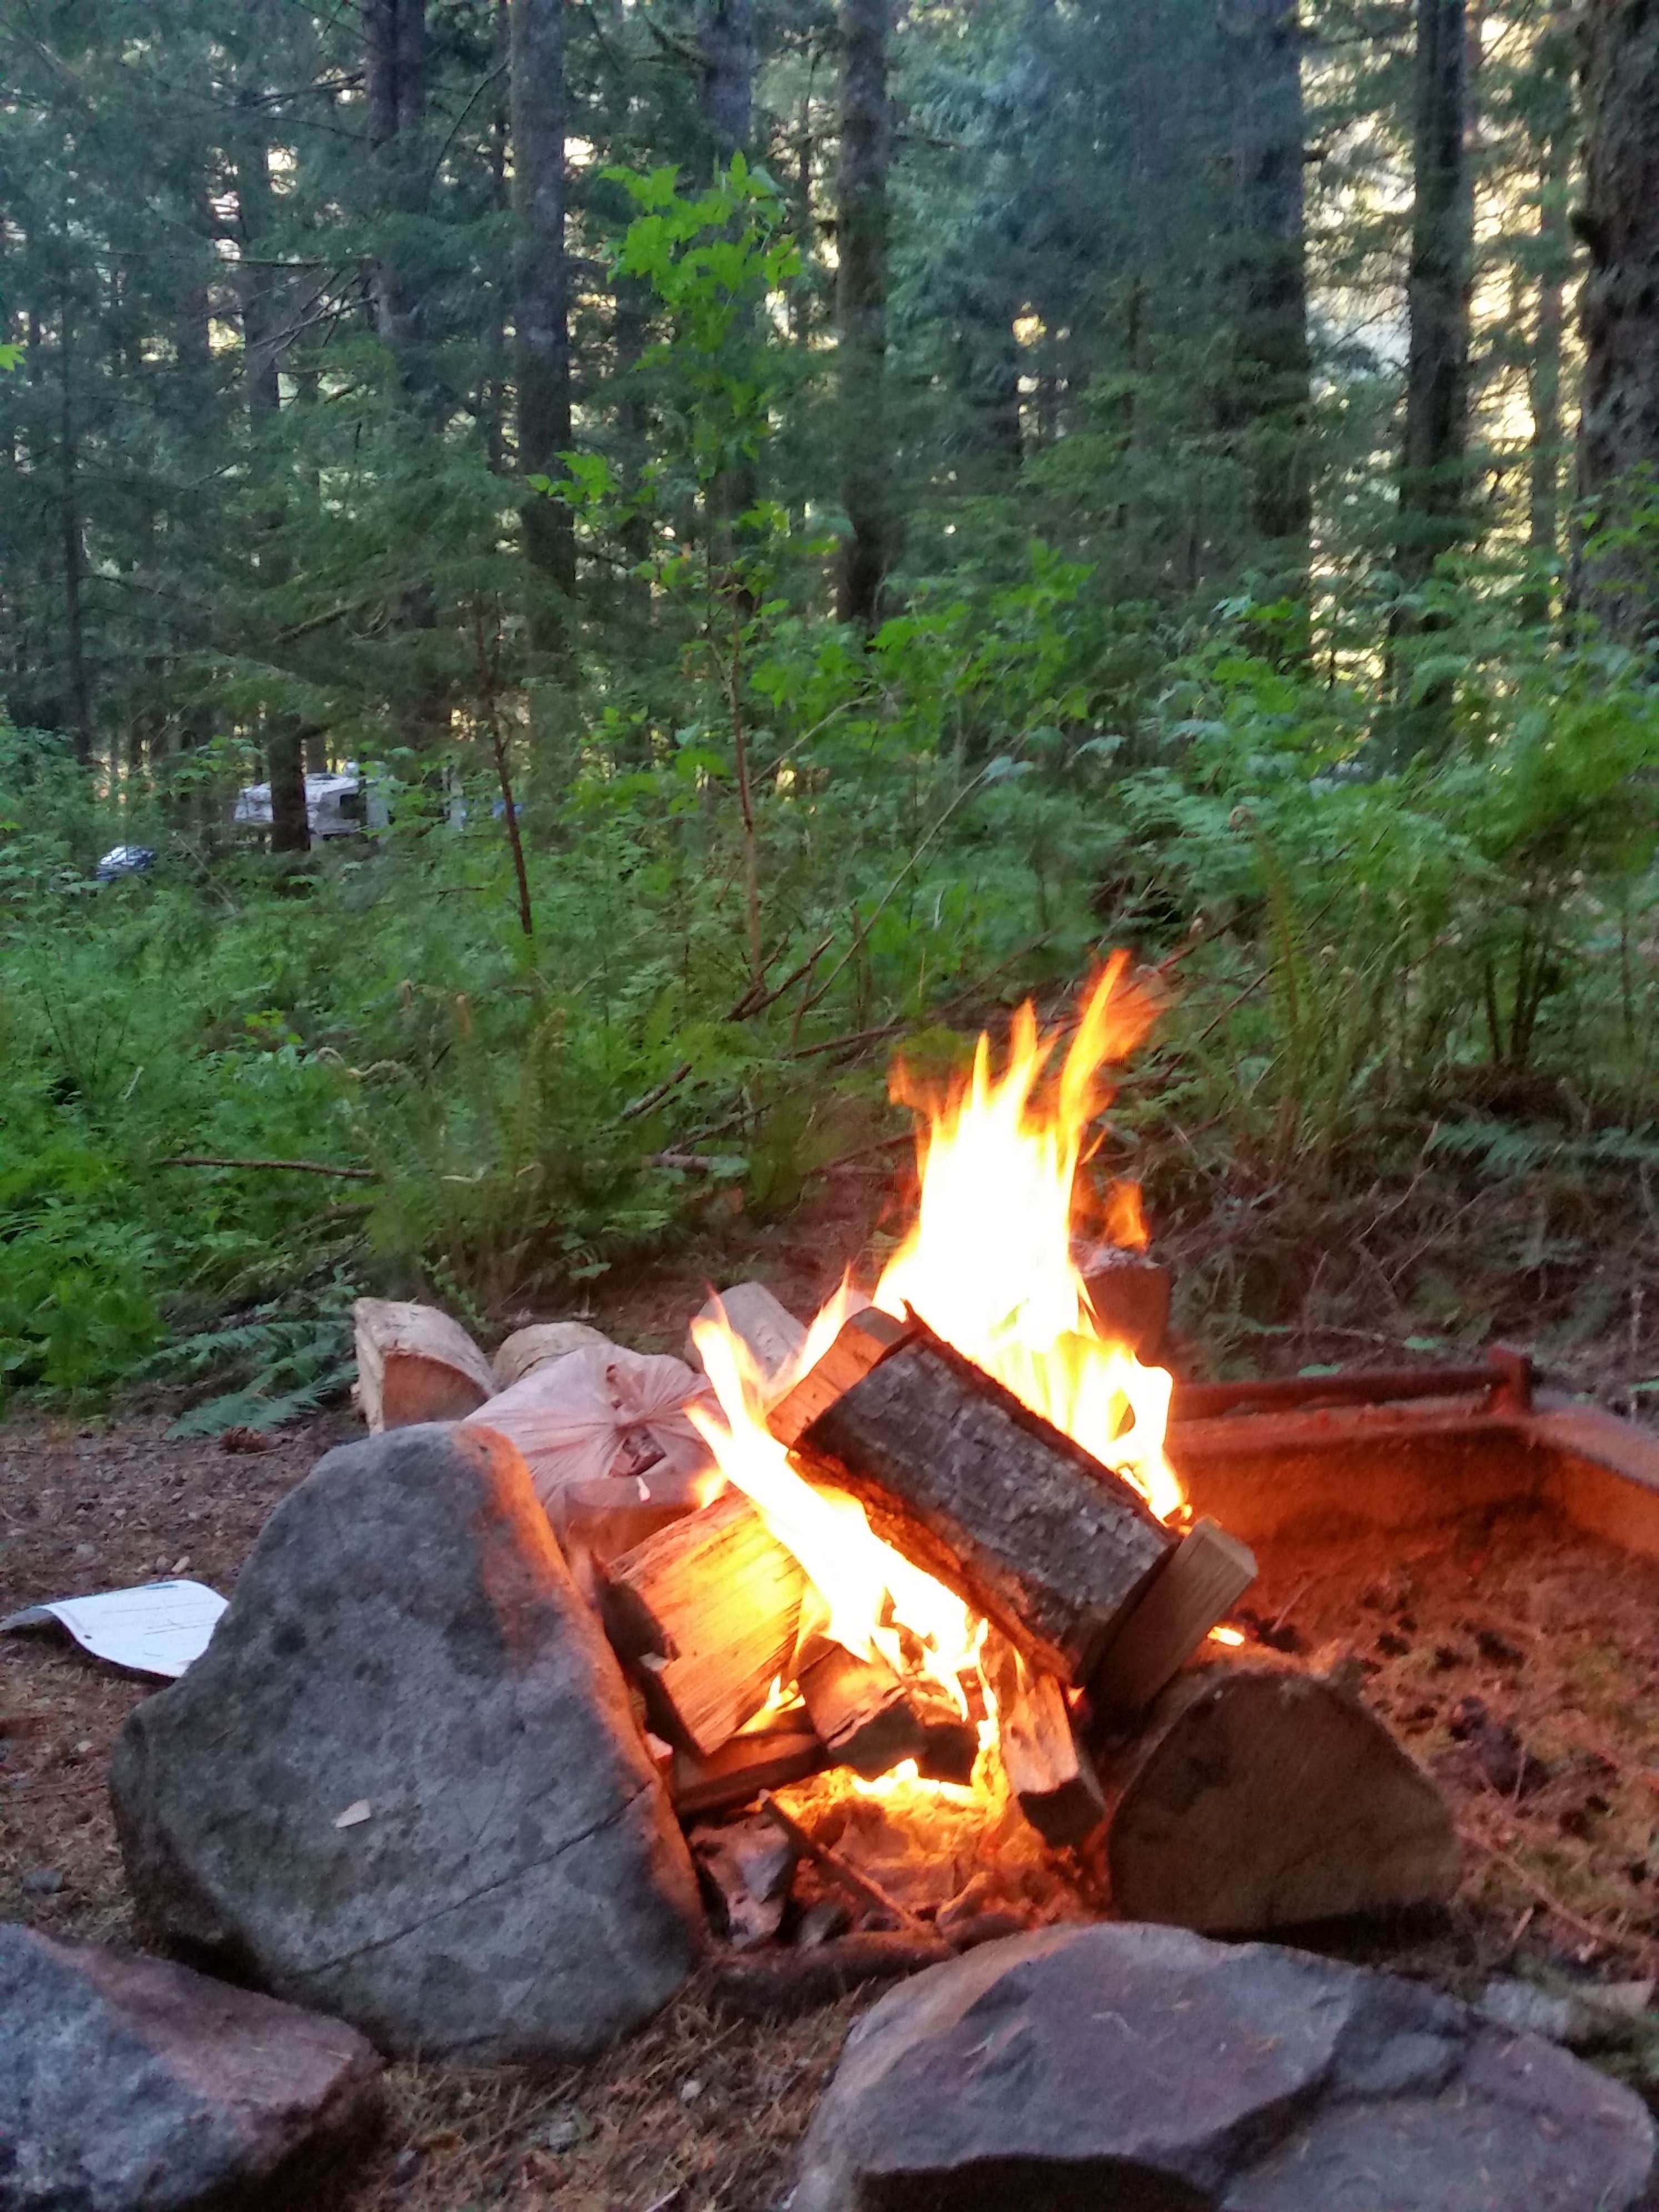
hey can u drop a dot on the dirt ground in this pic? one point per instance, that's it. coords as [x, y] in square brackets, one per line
[1518, 1662]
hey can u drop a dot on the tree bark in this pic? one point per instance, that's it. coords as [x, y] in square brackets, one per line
[1433, 489]
[284, 746]
[725, 40]
[1619, 419]
[394, 57]
[1544, 356]
[1269, 396]
[541, 305]
[80, 684]
[861, 239]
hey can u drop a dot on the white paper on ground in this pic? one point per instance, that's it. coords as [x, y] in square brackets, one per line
[158, 1628]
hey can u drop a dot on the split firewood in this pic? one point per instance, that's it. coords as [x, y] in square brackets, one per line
[871, 1719]
[1197, 1586]
[415, 1363]
[535, 1345]
[861, 1711]
[953, 1471]
[707, 1611]
[774, 1339]
[787, 1749]
[861, 1344]
[1257, 1798]
[1050, 1773]
[1130, 1295]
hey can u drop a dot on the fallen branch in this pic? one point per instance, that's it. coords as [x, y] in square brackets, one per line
[287, 1167]
[839, 1871]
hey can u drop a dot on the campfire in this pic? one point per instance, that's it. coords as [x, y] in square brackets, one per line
[922, 1567]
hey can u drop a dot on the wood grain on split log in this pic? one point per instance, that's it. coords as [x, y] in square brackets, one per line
[534, 1347]
[415, 1363]
[1197, 1586]
[1051, 1776]
[871, 1718]
[864, 1341]
[785, 1750]
[774, 1339]
[1021, 1522]
[708, 1611]
[1255, 1797]
[861, 1711]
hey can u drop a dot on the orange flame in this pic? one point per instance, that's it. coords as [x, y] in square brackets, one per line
[989, 1263]
[988, 1266]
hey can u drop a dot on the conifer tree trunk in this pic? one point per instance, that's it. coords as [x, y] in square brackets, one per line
[80, 683]
[861, 236]
[542, 304]
[1544, 357]
[284, 748]
[1433, 490]
[394, 59]
[1269, 397]
[725, 39]
[1618, 420]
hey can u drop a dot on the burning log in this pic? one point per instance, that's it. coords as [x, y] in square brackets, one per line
[1256, 1797]
[954, 1471]
[1048, 1772]
[785, 1750]
[1130, 1295]
[707, 1611]
[415, 1363]
[869, 1719]
[862, 1343]
[1206, 1576]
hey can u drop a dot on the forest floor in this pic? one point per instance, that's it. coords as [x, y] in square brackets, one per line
[1552, 1632]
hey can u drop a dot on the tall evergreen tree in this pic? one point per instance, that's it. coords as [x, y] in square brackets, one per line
[1617, 568]
[862, 220]
[541, 306]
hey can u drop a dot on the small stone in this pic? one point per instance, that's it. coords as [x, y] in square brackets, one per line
[562, 2133]
[690, 2091]
[84, 1552]
[42, 1881]
[405, 2167]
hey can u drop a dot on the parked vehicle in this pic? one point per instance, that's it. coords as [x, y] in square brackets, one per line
[124, 860]
[343, 805]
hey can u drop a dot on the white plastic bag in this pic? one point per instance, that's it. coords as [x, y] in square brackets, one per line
[598, 1412]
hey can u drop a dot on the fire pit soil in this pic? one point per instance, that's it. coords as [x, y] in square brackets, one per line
[1515, 1657]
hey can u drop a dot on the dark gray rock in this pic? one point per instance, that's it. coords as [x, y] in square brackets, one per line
[404, 1784]
[1122, 2068]
[132, 2085]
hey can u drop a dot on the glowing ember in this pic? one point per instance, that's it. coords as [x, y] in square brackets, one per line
[988, 1267]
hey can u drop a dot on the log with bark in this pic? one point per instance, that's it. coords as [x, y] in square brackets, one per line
[1256, 1797]
[415, 1363]
[953, 1471]
[707, 1613]
[784, 1749]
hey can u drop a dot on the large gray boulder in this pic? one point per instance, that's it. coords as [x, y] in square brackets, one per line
[404, 1784]
[1124, 2068]
[132, 2085]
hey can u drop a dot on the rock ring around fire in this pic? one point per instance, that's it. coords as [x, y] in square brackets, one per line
[404, 1784]
[1146, 2066]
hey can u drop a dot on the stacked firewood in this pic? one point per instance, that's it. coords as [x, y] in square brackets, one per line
[1228, 1791]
